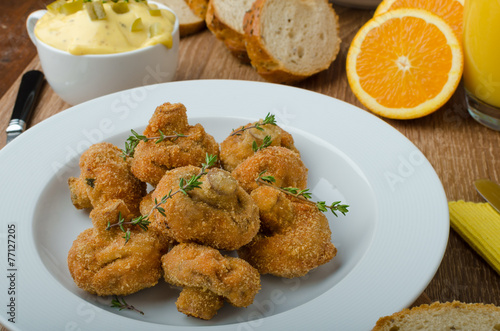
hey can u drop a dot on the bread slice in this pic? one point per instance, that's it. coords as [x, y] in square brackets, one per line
[225, 19]
[288, 41]
[199, 7]
[189, 23]
[443, 316]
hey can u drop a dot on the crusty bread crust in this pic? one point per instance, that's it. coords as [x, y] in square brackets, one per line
[191, 28]
[265, 63]
[199, 7]
[189, 22]
[233, 40]
[437, 315]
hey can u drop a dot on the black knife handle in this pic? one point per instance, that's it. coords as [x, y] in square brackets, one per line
[31, 85]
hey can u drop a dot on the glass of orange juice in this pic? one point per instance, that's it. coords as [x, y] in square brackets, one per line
[481, 77]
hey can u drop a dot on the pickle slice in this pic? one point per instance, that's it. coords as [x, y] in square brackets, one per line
[69, 8]
[120, 7]
[155, 29]
[55, 6]
[95, 10]
[137, 25]
[154, 12]
[99, 10]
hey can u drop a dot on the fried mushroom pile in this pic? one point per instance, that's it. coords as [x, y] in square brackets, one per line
[194, 208]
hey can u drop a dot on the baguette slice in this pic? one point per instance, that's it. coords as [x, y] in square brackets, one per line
[288, 41]
[225, 20]
[189, 23]
[443, 316]
[199, 7]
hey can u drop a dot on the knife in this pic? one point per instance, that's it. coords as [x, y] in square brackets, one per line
[29, 90]
[490, 191]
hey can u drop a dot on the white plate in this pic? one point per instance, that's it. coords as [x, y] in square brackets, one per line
[389, 244]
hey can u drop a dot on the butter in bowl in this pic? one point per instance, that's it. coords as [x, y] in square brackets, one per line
[89, 49]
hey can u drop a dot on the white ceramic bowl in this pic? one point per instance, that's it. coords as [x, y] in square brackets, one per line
[78, 78]
[362, 4]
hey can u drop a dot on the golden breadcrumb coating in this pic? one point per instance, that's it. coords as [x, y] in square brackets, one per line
[205, 268]
[295, 236]
[219, 214]
[236, 148]
[152, 158]
[199, 302]
[147, 205]
[100, 261]
[105, 175]
[283, 164]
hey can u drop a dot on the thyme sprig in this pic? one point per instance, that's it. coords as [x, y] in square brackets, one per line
[269, 119]
[193, 182]
[304, 195]
[142, 221]
[184, 186]
[116, 303]
[133, 140]
[265, 143]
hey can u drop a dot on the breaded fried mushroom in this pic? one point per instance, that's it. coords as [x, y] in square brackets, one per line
[153, 158]
[283, 164]
[102, 262]
[199, 302]
[238, 147]
[295, 236]
[219, 213]
[202, 270]
[105, 175]
[146, 206]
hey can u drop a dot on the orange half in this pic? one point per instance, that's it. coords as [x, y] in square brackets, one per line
[404, 64]
[449, 10]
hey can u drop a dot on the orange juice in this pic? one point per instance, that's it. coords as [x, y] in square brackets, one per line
[481, 41]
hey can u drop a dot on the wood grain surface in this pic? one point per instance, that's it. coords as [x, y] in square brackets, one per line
[459, 149]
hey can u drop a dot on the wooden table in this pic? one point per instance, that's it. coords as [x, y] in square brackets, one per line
[459, 149]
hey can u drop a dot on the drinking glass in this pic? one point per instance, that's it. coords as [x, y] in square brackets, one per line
[481, 77]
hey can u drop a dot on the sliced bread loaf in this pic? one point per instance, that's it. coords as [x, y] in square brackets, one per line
[189, 23]
[225, 19]
[288, 41]
[443, 316]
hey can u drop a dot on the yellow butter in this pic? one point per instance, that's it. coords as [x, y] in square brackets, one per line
[78, 34]
[479, 225]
